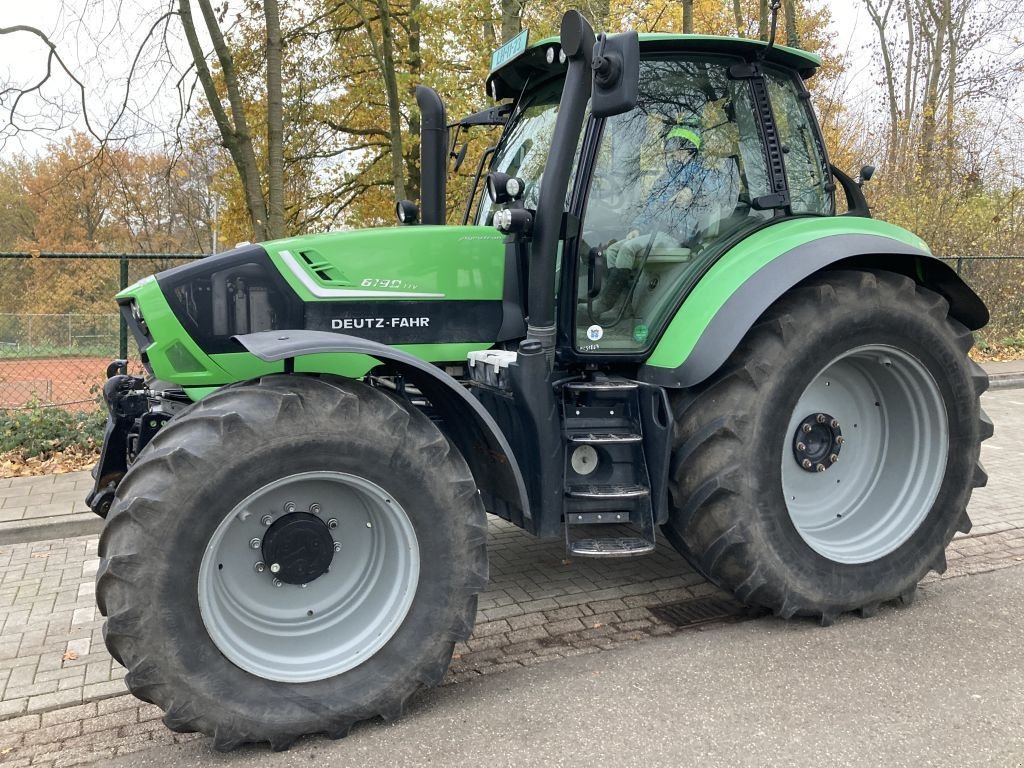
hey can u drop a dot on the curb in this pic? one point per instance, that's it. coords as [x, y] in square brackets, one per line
[57, 527]
[1006, 380]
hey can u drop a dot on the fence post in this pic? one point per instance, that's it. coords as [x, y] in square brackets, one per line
[122, 350]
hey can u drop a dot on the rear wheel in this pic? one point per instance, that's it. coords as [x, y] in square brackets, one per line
[289, 557]
[828, 464]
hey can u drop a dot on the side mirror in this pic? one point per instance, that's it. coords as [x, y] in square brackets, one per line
[459, 156]
[616, 67]
[866, 172]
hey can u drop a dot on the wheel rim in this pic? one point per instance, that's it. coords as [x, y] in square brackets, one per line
[889, 445]
[340, 618]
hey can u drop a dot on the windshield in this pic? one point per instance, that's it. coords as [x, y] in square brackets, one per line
[523, 148]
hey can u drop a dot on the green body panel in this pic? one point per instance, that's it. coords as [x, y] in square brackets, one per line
[395, 263]
[741, 262]
[464, 262]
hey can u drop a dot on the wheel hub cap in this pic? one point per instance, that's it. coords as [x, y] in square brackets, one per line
[301, 545]
[817, 442]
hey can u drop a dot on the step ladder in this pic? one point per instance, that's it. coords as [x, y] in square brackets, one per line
[608, 506]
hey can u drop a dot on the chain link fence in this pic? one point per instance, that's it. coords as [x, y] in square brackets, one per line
[59, 326]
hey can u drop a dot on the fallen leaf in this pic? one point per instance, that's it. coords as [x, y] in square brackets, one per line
[70, 655]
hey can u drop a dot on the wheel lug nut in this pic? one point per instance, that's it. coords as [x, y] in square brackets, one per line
[801, 447]
[274, 567]
[267, 519]
[278, 583]
[259, 567]
[337, 546]
[289, 507]
[834, 424]
[806, 427]
[840, 440]
[369, 524]
[314, 509]
[820, 468]
[332, 523]
[821, 418]
[806, 464]
[833, 458]
[254, 543]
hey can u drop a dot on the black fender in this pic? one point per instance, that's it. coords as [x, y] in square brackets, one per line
[847, 251]
[464, 420]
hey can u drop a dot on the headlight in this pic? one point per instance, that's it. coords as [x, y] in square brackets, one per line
[137, 317]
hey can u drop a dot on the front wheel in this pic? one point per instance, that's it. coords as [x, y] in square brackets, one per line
[829, 463]
[289, 557]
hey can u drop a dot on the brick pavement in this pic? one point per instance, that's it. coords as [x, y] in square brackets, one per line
[61, 696]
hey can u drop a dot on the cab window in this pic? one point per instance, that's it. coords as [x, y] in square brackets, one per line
[672, 178]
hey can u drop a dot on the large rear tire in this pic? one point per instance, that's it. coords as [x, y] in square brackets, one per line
[828, 464]
[290, 556]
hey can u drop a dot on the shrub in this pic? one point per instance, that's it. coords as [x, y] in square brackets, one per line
[41, 431]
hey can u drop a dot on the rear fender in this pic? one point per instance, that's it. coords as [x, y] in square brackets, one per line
[464, 420]
[690, 356]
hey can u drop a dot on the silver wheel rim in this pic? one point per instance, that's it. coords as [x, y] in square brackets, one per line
[887, 473]
[294, 633]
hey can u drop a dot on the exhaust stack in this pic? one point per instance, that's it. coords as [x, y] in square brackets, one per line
[433, 155]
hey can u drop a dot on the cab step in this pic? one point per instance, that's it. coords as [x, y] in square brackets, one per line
[623, 546]
[602, 385]
[608, 492]
[604, 438]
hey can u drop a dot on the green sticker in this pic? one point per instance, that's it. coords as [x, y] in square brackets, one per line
[640, 334]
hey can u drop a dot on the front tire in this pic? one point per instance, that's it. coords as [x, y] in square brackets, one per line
[828, 464]
[290, 469]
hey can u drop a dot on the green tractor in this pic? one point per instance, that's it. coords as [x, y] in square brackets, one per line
[652, 323]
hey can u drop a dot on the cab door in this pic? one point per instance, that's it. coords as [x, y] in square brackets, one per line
[654, 220]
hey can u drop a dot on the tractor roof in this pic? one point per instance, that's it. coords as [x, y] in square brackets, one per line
[508, 79]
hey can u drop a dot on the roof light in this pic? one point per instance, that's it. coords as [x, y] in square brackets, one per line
[407, 212]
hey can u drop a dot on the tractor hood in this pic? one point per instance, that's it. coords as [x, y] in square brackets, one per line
[419, 262]
[436, 289]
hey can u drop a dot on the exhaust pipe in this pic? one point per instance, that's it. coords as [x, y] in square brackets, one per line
[433, 155]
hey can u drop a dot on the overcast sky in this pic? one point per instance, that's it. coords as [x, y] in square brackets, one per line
[102, 61]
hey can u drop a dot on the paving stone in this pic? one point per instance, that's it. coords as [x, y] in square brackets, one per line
[120, 703]
[113, 720]
[68, 714]
[54, 700]
[54, 733]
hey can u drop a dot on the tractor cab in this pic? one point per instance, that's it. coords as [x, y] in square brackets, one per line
[721, 139]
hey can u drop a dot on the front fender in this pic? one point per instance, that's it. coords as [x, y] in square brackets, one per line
[737, 290]
[464, 420]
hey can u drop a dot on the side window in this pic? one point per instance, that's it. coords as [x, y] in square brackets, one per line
[807, 171]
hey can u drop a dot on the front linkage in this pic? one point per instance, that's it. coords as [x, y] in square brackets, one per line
[135, 413]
